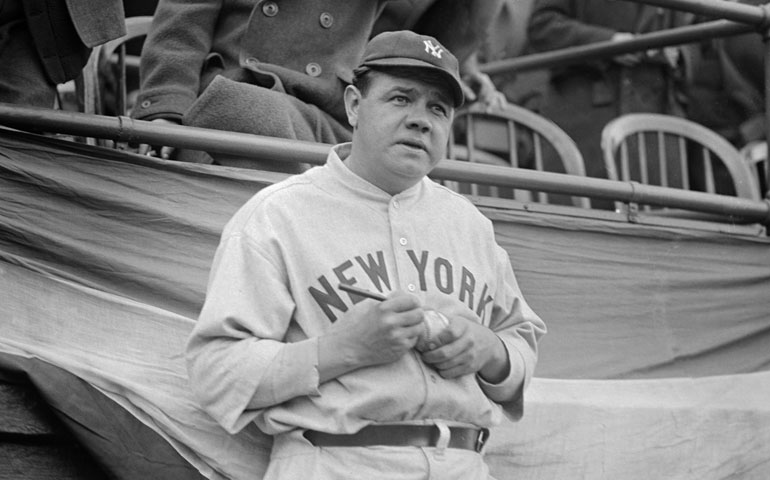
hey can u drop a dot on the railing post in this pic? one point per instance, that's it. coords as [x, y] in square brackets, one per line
[765, 38]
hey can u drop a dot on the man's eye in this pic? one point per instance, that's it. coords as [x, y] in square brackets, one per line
[440, 109]
[400, 99]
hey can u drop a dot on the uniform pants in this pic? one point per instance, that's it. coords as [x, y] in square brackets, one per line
[294, 457]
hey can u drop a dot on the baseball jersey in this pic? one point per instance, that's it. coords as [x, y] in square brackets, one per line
[273, 290]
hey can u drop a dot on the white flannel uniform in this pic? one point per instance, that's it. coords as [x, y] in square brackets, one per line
[272, 292]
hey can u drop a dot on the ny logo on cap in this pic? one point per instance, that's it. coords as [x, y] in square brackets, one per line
[434, 50]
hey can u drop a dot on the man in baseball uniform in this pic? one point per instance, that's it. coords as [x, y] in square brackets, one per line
[350, 386]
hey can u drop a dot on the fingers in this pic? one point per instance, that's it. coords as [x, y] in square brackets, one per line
[495, 100]
[144, 149]
[628, 60]
[166, 152]
[479, 87]
[466, 353]
[399, 301]
[405, 324]
[161, 151]
[470, 95]
[455, 364]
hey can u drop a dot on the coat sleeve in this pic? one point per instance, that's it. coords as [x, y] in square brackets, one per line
[461, 26]
[555, 24]
[173, 55]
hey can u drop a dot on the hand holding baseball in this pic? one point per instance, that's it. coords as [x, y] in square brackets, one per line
[371, 333]
[469, 347]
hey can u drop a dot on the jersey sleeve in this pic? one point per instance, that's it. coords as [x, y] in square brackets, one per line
[238, 360]
[520, 329]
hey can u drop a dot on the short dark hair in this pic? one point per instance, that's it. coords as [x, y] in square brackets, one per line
[363, 80]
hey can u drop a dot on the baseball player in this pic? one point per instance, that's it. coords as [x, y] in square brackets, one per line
[405, 384]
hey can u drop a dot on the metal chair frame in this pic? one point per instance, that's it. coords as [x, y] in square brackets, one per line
[651, 127]
[517, 120]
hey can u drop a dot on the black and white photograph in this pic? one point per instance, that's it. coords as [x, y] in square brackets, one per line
[384, 239]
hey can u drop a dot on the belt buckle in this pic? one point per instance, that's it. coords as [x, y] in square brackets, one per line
[481, 439]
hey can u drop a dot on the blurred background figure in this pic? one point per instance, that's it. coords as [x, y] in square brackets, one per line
[582, 98]
[507, 38]
[44, 43]
[725, 92]
[726, 85]
[463, 26]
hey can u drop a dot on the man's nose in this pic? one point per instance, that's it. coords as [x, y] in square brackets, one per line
[418, 118]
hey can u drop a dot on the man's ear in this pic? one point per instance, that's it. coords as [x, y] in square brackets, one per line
[352, 102]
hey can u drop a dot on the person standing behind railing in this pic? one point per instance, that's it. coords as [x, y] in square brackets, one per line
[725, 93]
[583, 97]
[44, 43]
[726, 85]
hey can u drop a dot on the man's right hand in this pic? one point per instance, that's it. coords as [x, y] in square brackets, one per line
[371, 333]
[159, 150]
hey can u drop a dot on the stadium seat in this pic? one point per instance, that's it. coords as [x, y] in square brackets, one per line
[755, 155]
[669, 151]
[516, 137]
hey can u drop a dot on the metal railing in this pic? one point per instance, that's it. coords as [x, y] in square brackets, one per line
[125, 129]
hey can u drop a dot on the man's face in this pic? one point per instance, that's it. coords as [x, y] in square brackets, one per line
[401, 129]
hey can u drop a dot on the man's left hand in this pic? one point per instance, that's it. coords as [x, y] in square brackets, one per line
[467, 348]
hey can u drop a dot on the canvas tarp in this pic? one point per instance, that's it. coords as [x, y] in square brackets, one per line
[656, 362]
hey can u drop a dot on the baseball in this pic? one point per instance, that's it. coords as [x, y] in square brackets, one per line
[435, 324]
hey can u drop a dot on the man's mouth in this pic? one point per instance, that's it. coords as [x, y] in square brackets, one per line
[415, 144]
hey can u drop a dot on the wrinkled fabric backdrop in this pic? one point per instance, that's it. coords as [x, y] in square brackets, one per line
[656, 364]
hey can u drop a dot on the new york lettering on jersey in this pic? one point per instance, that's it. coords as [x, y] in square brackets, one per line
[433, 272]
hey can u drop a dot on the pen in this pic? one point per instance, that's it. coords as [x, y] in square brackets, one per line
[361, 291]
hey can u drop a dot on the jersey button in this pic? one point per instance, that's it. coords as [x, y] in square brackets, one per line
[411, 287]
[402, 241]
[395, 203]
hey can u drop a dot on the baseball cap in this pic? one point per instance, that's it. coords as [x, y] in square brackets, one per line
[409, 49]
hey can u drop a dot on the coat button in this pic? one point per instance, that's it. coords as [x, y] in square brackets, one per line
[313, 69]
[326, 20]
[270, 9]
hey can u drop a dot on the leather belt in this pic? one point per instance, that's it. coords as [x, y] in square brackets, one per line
[401, 435]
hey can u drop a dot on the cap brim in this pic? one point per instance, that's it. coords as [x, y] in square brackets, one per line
[457, 89]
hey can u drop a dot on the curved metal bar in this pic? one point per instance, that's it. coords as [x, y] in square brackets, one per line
[663, 38]
[124, 129]
[738, 12]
